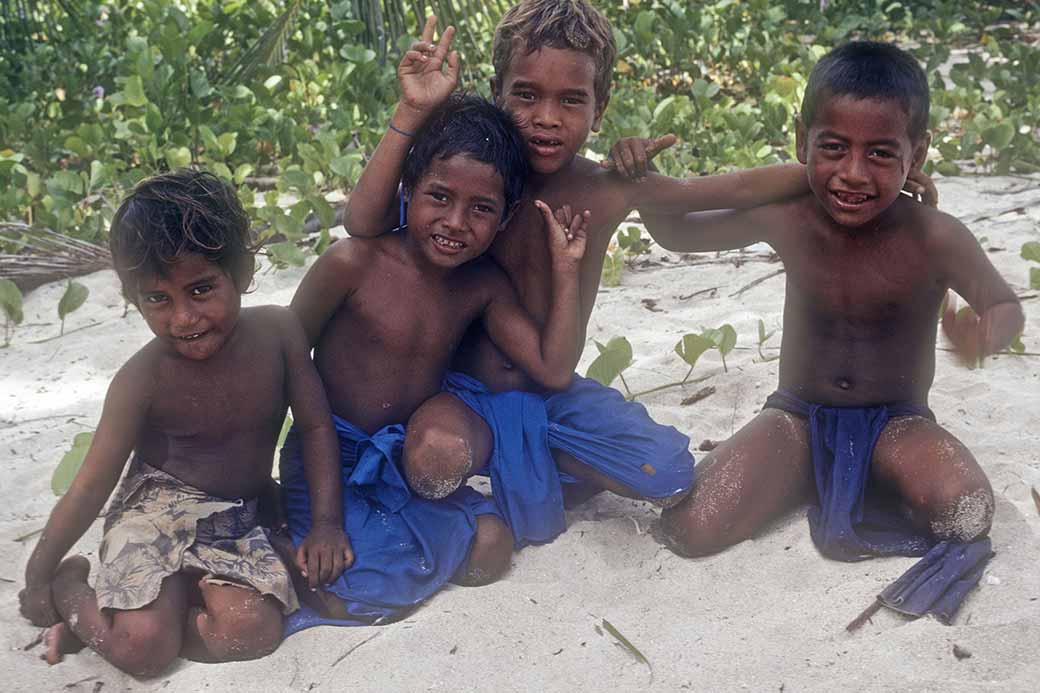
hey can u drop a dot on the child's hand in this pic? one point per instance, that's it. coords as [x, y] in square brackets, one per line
[567, 233]
[922, 187]
[35, 604]
[324, 554]
[631, 155]
[963, 329]
[423, 83]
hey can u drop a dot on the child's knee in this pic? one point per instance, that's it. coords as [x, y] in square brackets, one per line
[436, 461]
[142, 649]
[691, 534]
[251, 630]
[961, 512]
[491, 554]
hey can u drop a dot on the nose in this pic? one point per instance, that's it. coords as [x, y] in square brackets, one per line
[454, 219]
[854, 170]
[545, 114]
[184, 315]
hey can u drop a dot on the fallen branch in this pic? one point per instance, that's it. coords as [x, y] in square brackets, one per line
[758, 281]
[857, 622]
[347, 653]
[697, 396]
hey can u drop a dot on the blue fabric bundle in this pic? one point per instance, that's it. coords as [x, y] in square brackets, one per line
[847, 528]
[405, 547]
[592, 422]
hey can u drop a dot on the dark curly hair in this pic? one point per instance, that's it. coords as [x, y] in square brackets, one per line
[476, 128]
[184, 211]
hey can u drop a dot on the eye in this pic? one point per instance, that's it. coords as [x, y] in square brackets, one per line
[524, 95]
[439, 196]
[484, 209]
[201, 289]
[830, 146]
[155, 299]
[572, 101]
[883, 154]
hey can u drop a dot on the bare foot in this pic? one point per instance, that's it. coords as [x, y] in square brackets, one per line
[76, 568]
[60, 640]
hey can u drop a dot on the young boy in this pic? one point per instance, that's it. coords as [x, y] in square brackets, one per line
[553, 63]
[867, 270]
[184, 566]
[385, 316]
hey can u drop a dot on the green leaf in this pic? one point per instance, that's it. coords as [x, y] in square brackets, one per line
[691, 346]
[70, 463]
[1031, 251]
[324, 240]
[286, 425]
[11, 300]
[726, 340]
[614, 357]
[358, 54]
[1034, 277]
[286, 253]
[133, 91]
[200, 84]
[948, 168]
[1016, 345]
[999, 136]
[625, 643]
[227, 142]
[242, 172]
[74, 296]
[178, 157]
[613, 266]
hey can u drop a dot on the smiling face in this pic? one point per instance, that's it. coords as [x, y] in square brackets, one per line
[456, 209]
[551, 92]
[858, 153]
[194, 309]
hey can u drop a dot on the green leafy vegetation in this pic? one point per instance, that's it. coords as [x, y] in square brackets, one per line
[70, 463]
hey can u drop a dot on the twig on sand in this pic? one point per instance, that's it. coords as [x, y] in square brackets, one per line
[864, 617]
[697, 396]
[76, 683]
[632, 649]
[757, 282]
[687, 297]
[347, 653]
[34, 642]
[59, 336]
[1036, 498]
[12, 422]
[30, 535]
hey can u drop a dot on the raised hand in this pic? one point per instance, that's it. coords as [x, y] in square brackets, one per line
[567, 233]
[429, 72]
[964, 330]
[324, 554]
[922, 187]
[631, 155]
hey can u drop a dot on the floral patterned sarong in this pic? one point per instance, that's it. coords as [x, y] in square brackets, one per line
[157, 525]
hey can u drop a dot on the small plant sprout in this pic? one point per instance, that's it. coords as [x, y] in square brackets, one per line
[11, 303]
[630, 239]
[724, 339]
[763, 337]
[70, 463]
[614, 357]
[1031, 251]
[74, 296]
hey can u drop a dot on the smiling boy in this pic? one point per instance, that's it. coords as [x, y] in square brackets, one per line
[867, 270]
[553, 67]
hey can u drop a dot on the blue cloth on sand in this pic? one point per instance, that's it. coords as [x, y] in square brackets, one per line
[592, 422]
[846, 527]
[405, 547]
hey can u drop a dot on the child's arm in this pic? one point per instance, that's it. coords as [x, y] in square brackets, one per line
[327, 283]
[326, 551]
[372, 207]
[546, 354]
[998, 316]
[121, 418]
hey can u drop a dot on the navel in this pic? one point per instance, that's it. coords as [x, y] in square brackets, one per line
[843, 383]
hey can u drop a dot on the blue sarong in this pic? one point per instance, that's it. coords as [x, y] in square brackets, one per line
[405, 547]
[590, 421]
[847, 527]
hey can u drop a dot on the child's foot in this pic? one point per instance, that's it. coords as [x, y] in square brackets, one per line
[60, 641]
[76, 568]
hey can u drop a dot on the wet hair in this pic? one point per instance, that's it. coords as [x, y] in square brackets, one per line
[566, 24]
[184, 211]
[474, 127]
[870, 70]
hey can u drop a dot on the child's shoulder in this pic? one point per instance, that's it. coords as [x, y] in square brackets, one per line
[938, 228]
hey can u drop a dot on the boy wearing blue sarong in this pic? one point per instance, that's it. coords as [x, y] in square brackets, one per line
[385, 316]
[553, 63]
[867, 270]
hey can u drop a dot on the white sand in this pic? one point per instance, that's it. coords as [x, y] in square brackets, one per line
[768, 614]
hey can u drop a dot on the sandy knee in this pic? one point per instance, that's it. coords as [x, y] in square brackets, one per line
[144, 649]
[963, 516]
[436, 462]
[491, 554]
[250, 629]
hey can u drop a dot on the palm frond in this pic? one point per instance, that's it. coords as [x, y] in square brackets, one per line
[44, 256]
[268, 50]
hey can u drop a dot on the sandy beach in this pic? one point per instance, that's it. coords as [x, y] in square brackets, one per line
[766, 615]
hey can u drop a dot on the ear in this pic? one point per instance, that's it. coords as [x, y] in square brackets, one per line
[495, 87]
[801, 140]
[921, 152]
[601, 108]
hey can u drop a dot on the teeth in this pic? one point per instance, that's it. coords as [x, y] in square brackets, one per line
[448, 243]
[851, 199]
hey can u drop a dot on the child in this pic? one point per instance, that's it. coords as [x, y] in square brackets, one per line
[184, 566]
[386, 315]
[553, 63]
[867, 270]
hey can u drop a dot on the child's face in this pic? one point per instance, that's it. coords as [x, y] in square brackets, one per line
[858, 153]
[552, 94]
[193, 309]
[456, 209]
